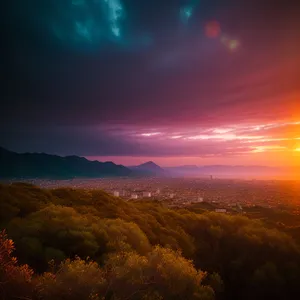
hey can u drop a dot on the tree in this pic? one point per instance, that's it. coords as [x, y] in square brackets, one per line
[15, 281]
[74, 280]
[161, 273]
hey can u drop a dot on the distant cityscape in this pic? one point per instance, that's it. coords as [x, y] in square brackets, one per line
[222, 194]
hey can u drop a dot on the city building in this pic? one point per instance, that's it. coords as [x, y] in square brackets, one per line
[116, 194]
[146, 194]
[134, 196]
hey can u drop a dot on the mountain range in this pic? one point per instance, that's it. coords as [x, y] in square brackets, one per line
[230, 171]
[41, 165]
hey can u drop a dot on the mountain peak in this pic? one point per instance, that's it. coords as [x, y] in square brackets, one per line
[149, 167]
[150, 163]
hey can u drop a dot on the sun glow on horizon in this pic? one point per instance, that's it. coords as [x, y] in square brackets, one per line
[270, 143]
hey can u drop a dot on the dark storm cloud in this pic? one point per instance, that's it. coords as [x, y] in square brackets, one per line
[68, 141]
[178, 77]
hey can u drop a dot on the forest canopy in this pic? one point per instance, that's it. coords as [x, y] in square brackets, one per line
[87, 244]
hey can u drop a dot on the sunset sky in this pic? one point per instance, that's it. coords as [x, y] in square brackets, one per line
[176, 82]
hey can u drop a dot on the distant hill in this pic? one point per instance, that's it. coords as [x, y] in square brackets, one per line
[41, 165]
[149, 168]
[226, 170]
[186, 168]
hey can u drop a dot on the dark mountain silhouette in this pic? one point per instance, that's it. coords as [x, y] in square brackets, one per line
[41, 165]
[149, 168]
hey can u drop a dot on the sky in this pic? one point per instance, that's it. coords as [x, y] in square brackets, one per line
[192, 82]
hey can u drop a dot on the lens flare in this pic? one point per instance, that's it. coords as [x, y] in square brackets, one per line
[213, 29]
[230, 44]
[186, 13]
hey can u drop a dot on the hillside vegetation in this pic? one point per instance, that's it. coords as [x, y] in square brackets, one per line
[83, 244]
